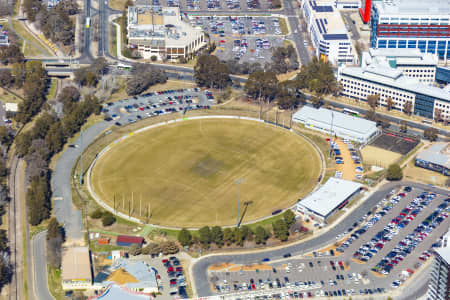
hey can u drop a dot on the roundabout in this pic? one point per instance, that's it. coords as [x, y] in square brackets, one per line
[183, 173]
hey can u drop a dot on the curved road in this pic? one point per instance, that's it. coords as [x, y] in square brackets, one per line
[199, 269]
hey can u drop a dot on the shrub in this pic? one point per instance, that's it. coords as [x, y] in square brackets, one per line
[394, 172]
[97, 214]
[108, 219]
[154, 58]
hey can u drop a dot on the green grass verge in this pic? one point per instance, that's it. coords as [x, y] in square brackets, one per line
[283, 26]
[52, 89]
[113, 40]
[54, 282]
[30, 50]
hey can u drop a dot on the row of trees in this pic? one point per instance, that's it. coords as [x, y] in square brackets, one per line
[89, 76]
[142, 77]
[206, 236]
[55, 239]
[32, 78]
[45, 138]
[55, 22]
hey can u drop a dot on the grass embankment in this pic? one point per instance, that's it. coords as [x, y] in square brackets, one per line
[113, 40]
[186, 175]
[30, 50]
[54, 282]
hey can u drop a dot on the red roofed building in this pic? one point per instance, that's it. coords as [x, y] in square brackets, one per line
[127, 240]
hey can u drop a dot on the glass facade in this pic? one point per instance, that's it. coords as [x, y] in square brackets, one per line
[424, 106]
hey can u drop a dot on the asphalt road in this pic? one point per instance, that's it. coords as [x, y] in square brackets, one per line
[200, 268]
[39, 265]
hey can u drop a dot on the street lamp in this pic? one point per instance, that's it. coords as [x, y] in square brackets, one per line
[239, 181]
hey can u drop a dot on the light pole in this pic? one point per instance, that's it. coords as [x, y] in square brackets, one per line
[331, 132]
[239, 181]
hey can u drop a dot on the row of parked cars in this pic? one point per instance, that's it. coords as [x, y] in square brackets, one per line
[368, 250]
[412, 240]
[386, 204]
[177, 280]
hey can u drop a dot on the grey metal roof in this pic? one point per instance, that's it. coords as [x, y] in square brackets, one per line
[323, 117]
[139, 270]
[119, 293]
[329, 196]
[437, 154]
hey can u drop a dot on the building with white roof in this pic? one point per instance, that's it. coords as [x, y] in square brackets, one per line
[329, 35]
[341, 4]
[336, 124]
[411, 62]
[329, 198]
[412, 24]
[436, 158]
[161, 32]
[439, 284]
[360, 82]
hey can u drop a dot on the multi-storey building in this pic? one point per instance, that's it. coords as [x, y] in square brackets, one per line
[411, 62]
[387, 82]
[161, 32]
[328, 33]
[439, 284]
[412, 24]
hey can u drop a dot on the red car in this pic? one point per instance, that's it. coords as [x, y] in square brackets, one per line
[165, 261]
[340, 263]
[253, 286]
[331, 262]
[170, 269]
[141, 108]
[179, 269]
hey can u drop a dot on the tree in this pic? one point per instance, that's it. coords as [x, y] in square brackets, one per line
[154, 58]
[280, 230]
[403, 126]
[394, 172]
[318, 77]
[430, 134]
[228, 236]
[108, 219]
[210, 72]
[152, 248]
[261, 235]
[54, 230]
[238, 237]
[217, 236]
[144, 76]
[169, 247]
[185, 237]
[97, 214]
[407, 108]
[289, 218]
[438, 115]
[3, 168]
[262, 85]
[372, 100]
[205, 235]
[38, 199]
[316, 100]
[135, 250]
[6, 79]
[389, 103]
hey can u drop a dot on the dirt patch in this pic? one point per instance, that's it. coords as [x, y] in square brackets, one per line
[218, 267]
[379, 157]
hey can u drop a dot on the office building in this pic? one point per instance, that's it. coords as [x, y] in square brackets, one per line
[161, 32]
[412, 24]
[360, 82]
[439, 284]
[340, 4]
[76, 269]
[411, 62]
[329, 35]
[336, 124]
